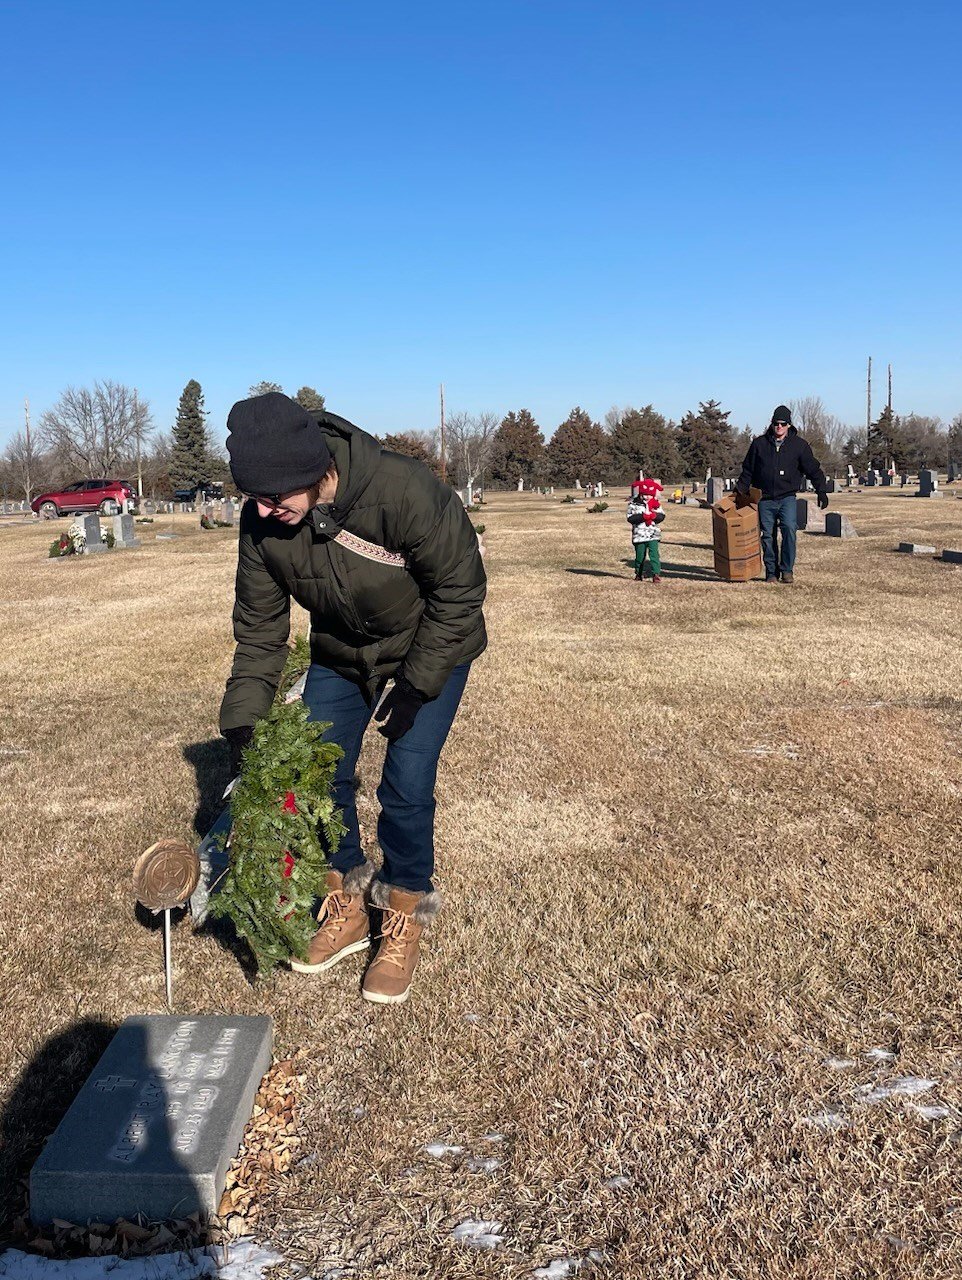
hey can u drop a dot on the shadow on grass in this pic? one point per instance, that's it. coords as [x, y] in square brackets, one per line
[37, 1103]
[210, 761]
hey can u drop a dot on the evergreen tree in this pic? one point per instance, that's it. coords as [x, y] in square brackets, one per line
[262, 388]
[853, 452]
[518, 449]
[578, 450]
[190, 459]
[309, 399]
[886, 441]
[955, 439]
[641, 439]
[706, 441]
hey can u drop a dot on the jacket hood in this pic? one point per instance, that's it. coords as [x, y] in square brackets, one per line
[356, 455]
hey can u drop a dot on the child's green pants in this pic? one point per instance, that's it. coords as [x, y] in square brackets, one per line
[654, 556]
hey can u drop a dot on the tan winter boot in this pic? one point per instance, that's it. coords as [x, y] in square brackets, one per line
[406, 914]
[345, 923]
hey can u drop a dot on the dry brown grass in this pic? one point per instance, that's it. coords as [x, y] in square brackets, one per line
[694, 840]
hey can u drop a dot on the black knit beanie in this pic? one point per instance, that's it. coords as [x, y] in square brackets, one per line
[782, 414]
[275, 446]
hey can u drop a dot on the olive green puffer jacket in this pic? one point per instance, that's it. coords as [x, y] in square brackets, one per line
[370, 617]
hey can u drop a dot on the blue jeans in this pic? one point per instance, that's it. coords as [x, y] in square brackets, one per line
[778, 515]
[405, 829]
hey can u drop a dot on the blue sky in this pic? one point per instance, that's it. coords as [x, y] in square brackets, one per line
[537, 204]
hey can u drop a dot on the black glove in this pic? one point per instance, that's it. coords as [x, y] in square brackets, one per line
[636, 518]
[659, 516]
[822, 501]
[398, 709]
[237, 740]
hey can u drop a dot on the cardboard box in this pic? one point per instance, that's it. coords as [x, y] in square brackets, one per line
[736, 536]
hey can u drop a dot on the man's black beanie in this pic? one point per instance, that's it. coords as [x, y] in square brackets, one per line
[782, 414]
[275, 446]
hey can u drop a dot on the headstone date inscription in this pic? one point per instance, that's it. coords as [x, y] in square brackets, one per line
[156, 1125]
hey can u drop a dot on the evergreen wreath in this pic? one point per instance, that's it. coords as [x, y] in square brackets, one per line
[280, 804]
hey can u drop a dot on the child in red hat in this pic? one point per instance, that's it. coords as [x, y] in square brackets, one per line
[645, 514]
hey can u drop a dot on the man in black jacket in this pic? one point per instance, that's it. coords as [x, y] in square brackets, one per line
[778, 463]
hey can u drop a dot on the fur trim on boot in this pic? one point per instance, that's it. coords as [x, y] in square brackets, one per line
[359, 878]
[429, 904]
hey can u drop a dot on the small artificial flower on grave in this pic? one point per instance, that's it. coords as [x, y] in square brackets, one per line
[280, 805]
[75, 532]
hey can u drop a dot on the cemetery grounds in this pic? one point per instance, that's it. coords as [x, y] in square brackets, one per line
[693, 1003]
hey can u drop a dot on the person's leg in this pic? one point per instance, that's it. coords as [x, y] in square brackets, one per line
[654, 555]
[639, 559]
[332, 699]
[788, 519]
[406, 794]
[767, 510]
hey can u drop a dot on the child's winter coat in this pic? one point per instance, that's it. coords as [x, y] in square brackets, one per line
[645, 513]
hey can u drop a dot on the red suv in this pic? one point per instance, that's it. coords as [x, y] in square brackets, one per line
[105, 496]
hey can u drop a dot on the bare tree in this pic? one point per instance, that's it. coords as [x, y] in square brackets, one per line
[24, 466]
[94, 429]
[469, 444]
[808, 413]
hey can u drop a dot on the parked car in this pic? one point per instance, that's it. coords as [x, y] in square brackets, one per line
[105, 496]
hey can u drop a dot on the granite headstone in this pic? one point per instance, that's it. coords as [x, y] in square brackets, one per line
[157, 1123]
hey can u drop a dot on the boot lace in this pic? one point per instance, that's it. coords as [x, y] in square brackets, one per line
[333, 913]
[395, 936]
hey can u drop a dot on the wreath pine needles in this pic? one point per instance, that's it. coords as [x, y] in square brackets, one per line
[280, 805]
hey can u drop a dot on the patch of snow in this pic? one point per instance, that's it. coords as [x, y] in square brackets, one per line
[930, 1112]
[479, 1233]
[246, 1260]
[827, 1120]
[900, 1087]
[838, 1064]
[358, 1112]
[880, 1055]
[472, 1017]
[439, 1149]
[481, 1164]
[493, 1137]
[617, 1182]
[562, 1267]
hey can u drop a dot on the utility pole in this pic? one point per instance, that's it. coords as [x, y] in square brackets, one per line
[140, 479]
[444, 463]
[868, 412]
[29, 459]
[890, 392]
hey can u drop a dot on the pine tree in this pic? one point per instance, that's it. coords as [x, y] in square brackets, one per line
[578, 450]
[706, 441]
[642, 440]
[262, 388]
[190, 457]
[310, 400]
[886, 441]
[518, 449]
[415, 444]
[280, 806]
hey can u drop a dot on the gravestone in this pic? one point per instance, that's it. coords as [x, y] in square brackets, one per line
[157, 1123]
[916, 549]
[124, 534]
[928, 484]
[838, 526]
[91, 528]
[952, 557]
[886, 480]
[229, 511]
[871, 479]
[954, 472]
[808, 516]
[830, 485]
[715, 490]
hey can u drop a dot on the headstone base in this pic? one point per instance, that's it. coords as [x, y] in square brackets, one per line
[916, 549]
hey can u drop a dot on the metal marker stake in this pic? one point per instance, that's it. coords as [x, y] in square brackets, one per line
[167, 954]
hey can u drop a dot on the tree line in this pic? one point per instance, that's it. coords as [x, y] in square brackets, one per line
[108, 430]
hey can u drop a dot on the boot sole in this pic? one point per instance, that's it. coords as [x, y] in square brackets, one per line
[300, 966]
[375, 997]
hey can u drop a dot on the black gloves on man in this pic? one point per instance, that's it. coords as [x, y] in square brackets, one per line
[396, 711]
[822, 501]
[237, 740]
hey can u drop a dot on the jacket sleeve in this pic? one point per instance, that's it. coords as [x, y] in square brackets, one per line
[262, 624]
[443, 558]
[810, 468]
[744, 482]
